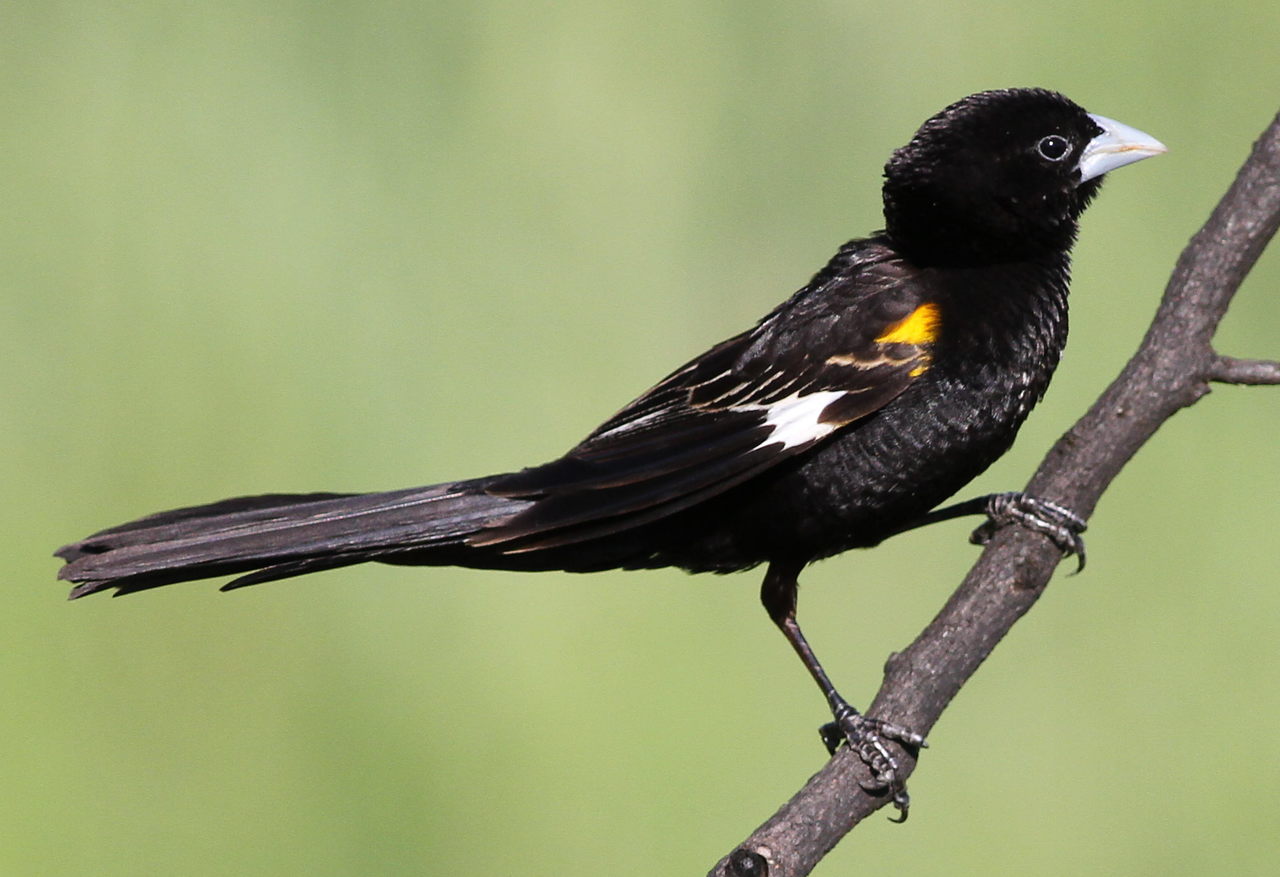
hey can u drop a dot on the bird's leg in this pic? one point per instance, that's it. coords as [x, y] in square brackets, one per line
[865, 736]
[1063, 526]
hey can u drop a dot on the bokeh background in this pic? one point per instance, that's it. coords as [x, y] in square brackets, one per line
[296, 246]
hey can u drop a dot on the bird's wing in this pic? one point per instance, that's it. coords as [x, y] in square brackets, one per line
[840, 349]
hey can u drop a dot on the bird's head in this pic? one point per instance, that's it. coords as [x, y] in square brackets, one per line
[1002, 175]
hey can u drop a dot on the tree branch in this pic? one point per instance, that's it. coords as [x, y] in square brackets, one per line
[1171, 370]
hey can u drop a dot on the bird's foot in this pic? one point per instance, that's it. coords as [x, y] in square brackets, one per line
[867, 738]
[1061, 525]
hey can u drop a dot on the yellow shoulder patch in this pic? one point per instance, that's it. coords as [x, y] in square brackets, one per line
[920, 327]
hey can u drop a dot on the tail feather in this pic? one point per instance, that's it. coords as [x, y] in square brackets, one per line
[192, 519]
[280, 535]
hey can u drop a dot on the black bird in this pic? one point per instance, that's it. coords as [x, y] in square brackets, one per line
[901, 371]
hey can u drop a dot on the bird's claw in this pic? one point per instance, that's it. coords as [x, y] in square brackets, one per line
[867, 738]
[1061, 525]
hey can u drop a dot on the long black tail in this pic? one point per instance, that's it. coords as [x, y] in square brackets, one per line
[261, 538]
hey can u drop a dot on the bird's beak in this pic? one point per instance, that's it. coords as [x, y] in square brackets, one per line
[1116, 146]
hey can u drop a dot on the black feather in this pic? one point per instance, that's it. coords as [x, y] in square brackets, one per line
[832, 423]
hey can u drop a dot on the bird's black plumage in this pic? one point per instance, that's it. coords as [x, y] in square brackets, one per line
[896, 375]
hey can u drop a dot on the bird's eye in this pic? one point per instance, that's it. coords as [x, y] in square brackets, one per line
[1053, 147]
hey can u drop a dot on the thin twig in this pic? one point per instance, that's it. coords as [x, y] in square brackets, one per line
[1229, 370]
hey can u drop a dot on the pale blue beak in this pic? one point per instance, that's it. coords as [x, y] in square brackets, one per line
[1116, 146]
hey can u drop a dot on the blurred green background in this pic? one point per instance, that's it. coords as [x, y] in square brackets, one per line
[349, 246]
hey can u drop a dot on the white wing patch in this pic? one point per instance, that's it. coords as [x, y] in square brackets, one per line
[794, 420]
